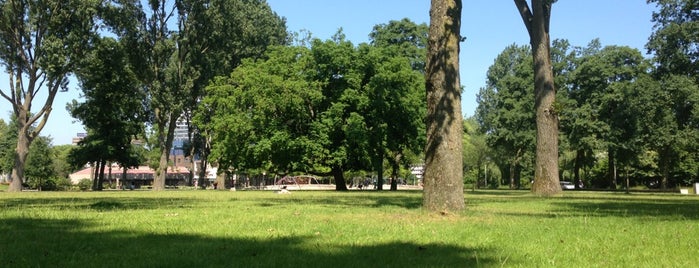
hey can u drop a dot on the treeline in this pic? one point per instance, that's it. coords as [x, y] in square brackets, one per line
[625, 120]
[254, 97]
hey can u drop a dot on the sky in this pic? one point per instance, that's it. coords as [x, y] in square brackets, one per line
[488, 25]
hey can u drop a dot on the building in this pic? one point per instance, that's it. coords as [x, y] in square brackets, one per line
[78, 138]
[141, 176]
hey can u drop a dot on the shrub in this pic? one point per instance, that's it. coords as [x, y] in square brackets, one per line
[85, 184]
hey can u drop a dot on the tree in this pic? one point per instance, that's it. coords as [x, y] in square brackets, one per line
[537, 19]
[212, 38]
[394, 114]
[505, 111]
[113, 100]
[579, 121]
[405, 37]
[675, 43]
[443, 185]
[476, 152]
[603, 86]
[39, 168]
[8, 140]
[40, 42]
[261, 116]
[397, 106]
[663, 131]
[59, 153]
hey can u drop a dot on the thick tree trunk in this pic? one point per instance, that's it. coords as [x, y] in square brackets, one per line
[379, 170]
[167, 135]
[202, 172]
[395, 166]
[537, 20]
[338, 175]
[100, 178]
[21, 152]
[443, 176]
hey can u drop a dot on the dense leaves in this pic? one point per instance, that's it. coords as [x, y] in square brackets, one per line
[40, 45]
[324, 109]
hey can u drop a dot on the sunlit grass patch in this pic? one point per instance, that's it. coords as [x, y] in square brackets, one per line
[353, 229]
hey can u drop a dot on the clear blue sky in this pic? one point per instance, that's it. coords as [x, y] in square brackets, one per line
[488, 25]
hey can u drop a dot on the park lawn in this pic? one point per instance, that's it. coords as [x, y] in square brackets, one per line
[351, 229]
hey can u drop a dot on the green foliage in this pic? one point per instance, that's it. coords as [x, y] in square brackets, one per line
[39, 165]
[85, 184]
[41, 42]
[505, 110]
[113, 101]
[675, 39]
[60, 160]
[8, 143]
[314, 109]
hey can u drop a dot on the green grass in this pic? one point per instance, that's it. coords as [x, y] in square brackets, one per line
[354, 229]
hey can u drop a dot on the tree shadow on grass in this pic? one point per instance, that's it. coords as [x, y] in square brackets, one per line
[99, 203]
[658, 208]
[371, 200]
[665, 209]
[69, 243]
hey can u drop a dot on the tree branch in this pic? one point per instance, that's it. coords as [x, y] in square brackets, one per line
[526, 14]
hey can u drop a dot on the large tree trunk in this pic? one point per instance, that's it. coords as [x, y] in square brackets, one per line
[100, 178]
[395, 166]
[537, 20]
[338, 175]
[167, 135]
[379, 170]
[443, 177]
[21, 152]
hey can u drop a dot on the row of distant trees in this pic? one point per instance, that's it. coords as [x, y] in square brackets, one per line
[255, 97]
[625, 120]
[141, 66]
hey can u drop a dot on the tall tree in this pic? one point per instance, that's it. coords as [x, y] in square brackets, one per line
[443, 185]
[505, 110]
[113, 100]
[40, 42]
[212, 38]
[675, 43]
[579, 123]
[261, 116]
[537, 19]
[603, 86]
[396, 93]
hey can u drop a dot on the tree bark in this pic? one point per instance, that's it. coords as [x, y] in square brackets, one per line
[443, 176]
[536, 20]
[166, 137]
[21, 152]
[340, 184]
[611, 168]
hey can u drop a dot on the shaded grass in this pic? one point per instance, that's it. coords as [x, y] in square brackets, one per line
[353, 229]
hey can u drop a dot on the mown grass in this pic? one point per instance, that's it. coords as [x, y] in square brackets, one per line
[353, 229]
